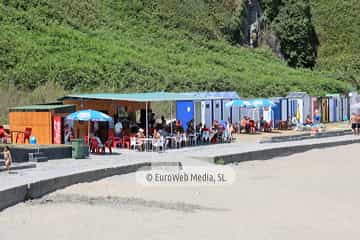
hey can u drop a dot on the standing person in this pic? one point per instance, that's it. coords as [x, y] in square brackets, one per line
[7, 158]
[358, 124]
[354, 123]
[163, 122]
[118, 129]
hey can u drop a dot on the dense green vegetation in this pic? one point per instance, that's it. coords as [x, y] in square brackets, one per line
[337, 24]
[138, 45]
[292, 22]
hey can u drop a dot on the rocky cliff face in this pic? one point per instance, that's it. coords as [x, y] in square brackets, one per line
[255, 32]
[252, 22]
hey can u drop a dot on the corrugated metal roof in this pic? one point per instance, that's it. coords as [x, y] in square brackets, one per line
[155, 96]
[41, 107]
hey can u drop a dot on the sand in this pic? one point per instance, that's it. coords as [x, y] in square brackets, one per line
[313, 195]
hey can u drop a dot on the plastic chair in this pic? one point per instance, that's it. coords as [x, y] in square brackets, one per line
[252, 126]
[158, 144]
[94, 148]
[109, 144]
[134, 144]
[4, 137]
[116, 141]
[126, 142]
[86, 139]
[267, 126]
[27, 135]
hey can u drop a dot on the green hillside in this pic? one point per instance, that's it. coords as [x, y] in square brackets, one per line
[337, 24]
[138, 45]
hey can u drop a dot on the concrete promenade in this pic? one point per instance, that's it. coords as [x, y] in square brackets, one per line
[56, 174]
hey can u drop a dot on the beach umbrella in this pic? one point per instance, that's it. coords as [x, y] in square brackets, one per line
[89, 116]
[237, 103]
[261, 102]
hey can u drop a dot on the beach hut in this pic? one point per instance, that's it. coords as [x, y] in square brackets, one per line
[276, 113]
[299, 105]
[213, 109]
[338, 107]
[45, 121]
[315, 107]
[332, 109]
[209, 107]
[206, 112]
[345, 108]
[324, 109]
[284, 109]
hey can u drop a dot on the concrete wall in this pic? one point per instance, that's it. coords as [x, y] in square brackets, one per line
[10, 197]
[276, 152]
[21, 153]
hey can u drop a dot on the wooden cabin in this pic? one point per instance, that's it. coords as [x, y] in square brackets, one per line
[45, 122]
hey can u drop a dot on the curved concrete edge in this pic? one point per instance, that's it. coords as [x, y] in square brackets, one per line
[308, 135]
[10, 197]
[270, 153]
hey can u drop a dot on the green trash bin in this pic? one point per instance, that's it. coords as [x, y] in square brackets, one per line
[84, 149]
[77, 151]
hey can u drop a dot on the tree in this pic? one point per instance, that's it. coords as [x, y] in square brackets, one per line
[294, 27]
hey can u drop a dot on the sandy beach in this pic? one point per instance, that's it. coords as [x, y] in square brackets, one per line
[312, 195]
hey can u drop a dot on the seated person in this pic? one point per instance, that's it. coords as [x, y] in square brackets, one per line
[213, 134]
[178, 139]
[252, 126]
[156, 135]
[243, 123]
[308, 120]
[100, 144]
[138, 139]
[183, 138]
[205, 134]
[263, 124]
[68, 135]
[229, 132]
[3, 135]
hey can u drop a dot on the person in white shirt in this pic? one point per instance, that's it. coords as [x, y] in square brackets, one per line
[118, 129]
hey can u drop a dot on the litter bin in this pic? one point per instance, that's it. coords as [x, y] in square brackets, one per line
[78, 146]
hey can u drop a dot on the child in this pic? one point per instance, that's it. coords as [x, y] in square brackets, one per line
[7, 158]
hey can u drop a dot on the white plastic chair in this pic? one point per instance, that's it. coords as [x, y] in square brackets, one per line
[159, 144]
[134, 143]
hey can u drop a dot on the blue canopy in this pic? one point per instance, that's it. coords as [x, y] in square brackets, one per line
[89, 115]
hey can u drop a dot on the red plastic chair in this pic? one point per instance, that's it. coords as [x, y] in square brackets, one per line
[27, 135]
[95, 146]
[126, 141]
[4, 137]
[116, 141]
[267, 127]
[109, 144]
[252, 126]
[86, 139]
